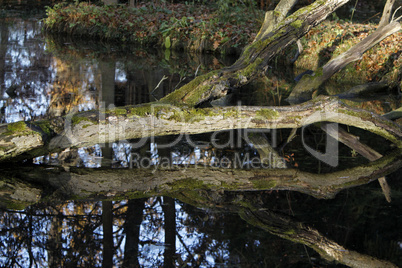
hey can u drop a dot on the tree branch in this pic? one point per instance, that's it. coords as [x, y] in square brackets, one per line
[307, 85]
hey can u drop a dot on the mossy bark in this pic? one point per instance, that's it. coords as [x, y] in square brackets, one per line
[93, 127]
[204, 189]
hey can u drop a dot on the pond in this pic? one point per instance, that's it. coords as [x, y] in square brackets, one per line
[46, 76]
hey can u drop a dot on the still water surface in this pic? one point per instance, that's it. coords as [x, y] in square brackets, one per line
[44, 77]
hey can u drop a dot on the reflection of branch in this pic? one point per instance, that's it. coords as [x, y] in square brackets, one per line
[91, 184]
[285, 227]
[158, 85]
[353, 142]
[185, 246]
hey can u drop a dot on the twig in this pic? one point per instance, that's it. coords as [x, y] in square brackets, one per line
[196, 71]
[393, 15]
[182, 78]
[157, 86]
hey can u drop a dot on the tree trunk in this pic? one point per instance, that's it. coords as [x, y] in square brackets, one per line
[108, 244]
[169, 212]
[353, 142]
[386, 14]
[287, 228]
[273, 17]
[132, 230]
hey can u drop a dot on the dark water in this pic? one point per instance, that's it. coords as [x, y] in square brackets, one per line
[43, 77]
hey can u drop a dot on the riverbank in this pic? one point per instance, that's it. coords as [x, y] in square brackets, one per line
[203, 28]
[173, 26]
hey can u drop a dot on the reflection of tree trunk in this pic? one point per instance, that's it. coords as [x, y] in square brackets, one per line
[287, 228]
[107, 155]
[107, 70]
[3, 51]
[132, 229]
[108, 245]
[30, 240]
[54, 241]
[170, 231]
[353, 142]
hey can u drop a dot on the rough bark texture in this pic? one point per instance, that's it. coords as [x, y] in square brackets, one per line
[273, 17]
[307, 85]
[386, 14]
[143, 121]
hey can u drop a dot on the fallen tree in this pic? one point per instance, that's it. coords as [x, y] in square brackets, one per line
[175, 114]
[180, 112]
[143, 121]
[273, 37]
[287, 228]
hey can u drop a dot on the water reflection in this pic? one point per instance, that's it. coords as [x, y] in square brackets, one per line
[161, 231]
[25, 71]
[54, 77]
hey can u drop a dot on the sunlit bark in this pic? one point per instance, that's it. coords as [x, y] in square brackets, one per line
[386, 14]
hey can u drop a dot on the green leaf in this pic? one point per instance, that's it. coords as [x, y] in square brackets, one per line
[167, 42]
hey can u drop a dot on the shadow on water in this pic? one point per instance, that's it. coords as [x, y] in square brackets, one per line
[43, 77]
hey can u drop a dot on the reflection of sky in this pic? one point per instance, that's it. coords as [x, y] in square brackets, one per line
[32, 97]
[81, 223]
[120, 75]
[32, 72]
[154, 249]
